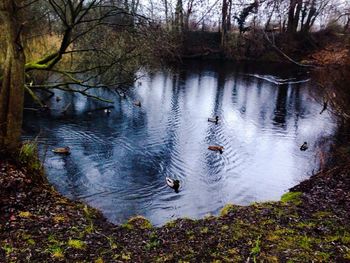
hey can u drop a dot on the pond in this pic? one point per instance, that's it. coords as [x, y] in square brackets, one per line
[118, 162]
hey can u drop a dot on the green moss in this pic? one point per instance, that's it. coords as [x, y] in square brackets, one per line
[209, 217]
[224, 228]
[152, 244]
[31, 242]
[291, 197]
[153, 241]
[24, 214]
[204, 230]
[55, 250]
[306, 224]
[322, 256]
[165, 258]
[227, 209]
[190, 234]
[59, 218]
[138, 222]
[112, 242]
[126, 256]
[305, 242]
[347, 255]
[284, 231]
[255, 251]
[89, 212]
[128, 226]
[89, 229]
[233, 252]
[7, 248]
[28, 156]
[99, 260]
[239, 231]
[52, 239]
[76, 244]
[346, 238]
[332, 238]
[57, 254]
[322, 214]
[170, 224]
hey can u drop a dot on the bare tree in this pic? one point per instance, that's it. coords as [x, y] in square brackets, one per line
[12, 88]
[81, 23]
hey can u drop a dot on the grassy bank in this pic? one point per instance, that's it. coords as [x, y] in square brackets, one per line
[311, 223]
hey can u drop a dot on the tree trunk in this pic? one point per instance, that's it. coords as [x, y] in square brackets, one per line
[166, 13]
[229, 24]
[309, 21]
[304, 14]
[224, 22]
[293, 15]
[179, 19]
[12, 88]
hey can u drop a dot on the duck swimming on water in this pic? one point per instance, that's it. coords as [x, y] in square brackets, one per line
[174, 184]
[216, 148]
[62, 150]
[304, 147]
[107, 111]
[137, 103]
[215, 120]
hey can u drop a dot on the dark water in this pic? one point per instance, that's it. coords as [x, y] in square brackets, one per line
[119, 162]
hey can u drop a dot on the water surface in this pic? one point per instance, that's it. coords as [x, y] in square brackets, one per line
[119, 162]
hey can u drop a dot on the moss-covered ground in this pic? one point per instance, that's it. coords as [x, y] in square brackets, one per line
[309, 224]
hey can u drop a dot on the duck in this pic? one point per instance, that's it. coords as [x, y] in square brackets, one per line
[137, 103]
[216, 148]
[107, 111]
[215, 120]
[62, 150]
[304, 147]
[58, 99]
[174, 184]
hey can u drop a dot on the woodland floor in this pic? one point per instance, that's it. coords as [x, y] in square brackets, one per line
[310, 224]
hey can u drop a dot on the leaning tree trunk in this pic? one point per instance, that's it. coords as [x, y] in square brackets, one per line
[12, 88]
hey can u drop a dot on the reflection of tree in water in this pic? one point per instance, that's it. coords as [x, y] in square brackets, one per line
[260, 103]
[295, 104]
[172, 122]
[280, 112]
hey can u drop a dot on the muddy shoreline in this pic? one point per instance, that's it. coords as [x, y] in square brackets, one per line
[311, 222]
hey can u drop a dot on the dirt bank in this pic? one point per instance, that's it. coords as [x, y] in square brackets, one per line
[311, 223]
